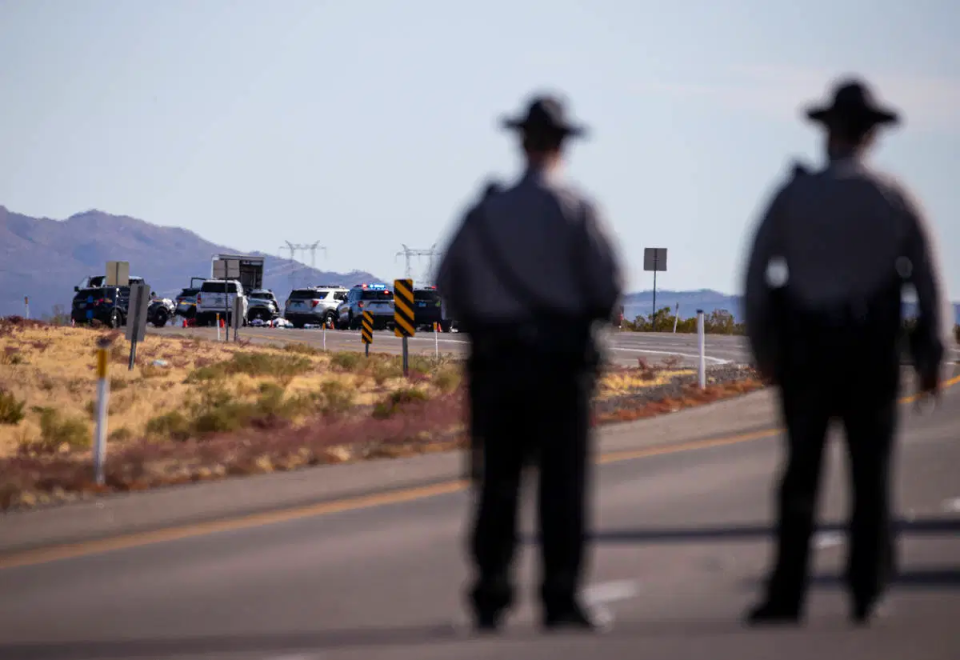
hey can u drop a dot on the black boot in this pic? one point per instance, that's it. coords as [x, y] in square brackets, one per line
[489, 601]
[771, 613]
[576, 617]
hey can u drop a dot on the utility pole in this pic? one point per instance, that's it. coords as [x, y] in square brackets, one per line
[409, 254]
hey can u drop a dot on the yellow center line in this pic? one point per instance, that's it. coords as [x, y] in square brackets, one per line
[125, 541]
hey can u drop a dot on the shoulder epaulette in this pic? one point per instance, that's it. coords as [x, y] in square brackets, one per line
[492, 188]
[799, 169]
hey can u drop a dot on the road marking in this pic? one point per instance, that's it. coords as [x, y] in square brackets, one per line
[611, 592]
[83, 548]
[824, 540]
[652, 352]
[952, 506]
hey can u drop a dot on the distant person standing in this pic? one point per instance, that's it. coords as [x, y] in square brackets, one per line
[823, 312]
[527, 275]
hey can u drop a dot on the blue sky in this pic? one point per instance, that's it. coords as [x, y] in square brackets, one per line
[366, 125]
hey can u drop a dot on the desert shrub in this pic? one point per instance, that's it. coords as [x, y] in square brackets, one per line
[254, 364]
[717, 322]
[300, 348]
[60, 316]
[347, 361]
[11, 355]
[119, 352]
[336, 397]
[448, 379]
[174, 425]
[396, 400]
[11, 409]
[122, 434]
[57, 429]
[274, 403]
[384, 370]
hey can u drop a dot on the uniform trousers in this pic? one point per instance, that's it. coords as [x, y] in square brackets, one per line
[850, 373]
[527, 410]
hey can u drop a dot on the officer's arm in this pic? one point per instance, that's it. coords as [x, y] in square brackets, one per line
[757, 296]
[935, 311]
[602, 265]
[450, 273]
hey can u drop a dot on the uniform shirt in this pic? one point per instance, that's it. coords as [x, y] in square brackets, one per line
[550, 237]
[842, 233]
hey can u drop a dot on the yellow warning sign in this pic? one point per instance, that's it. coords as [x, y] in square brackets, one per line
[366, 328]
[403, 308]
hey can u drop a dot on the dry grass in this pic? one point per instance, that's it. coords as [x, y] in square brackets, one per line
[54, 368]
[194, 410]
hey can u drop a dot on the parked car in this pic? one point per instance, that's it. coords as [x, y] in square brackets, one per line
[186, 303]
[160, 311]
[263, 305]
[374, 298]
[106, 305]
[216, 297]
[315, 305]
[428, 309]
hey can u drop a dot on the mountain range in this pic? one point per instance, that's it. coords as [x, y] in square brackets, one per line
[44, 259]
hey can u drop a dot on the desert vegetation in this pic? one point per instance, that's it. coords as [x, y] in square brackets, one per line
[194, 410]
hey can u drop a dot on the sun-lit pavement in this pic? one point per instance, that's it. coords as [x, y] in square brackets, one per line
[681, 541]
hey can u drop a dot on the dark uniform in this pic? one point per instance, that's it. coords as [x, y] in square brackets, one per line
[823, 312]
[529, 272]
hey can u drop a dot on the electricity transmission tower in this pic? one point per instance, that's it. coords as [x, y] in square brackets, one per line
[303, 247]
[409, 254]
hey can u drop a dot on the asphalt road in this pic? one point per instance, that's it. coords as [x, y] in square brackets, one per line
[624, 347]
[681, 540]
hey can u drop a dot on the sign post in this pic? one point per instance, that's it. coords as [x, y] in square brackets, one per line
[26, 307]
[403, 317]
[366, 331]
[655, 259]
[237, 317]
[701, 331]
[137, 318]
[103, 393]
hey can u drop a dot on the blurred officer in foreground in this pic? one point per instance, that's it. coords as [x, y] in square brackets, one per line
[528, 274]
[823, 312]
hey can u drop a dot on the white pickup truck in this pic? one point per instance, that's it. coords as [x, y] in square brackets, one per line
[217, 297]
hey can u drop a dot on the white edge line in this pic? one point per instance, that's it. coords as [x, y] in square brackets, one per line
[609, 592]
[686, 355]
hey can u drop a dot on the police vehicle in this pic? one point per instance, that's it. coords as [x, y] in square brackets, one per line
[315, 305]
[428, 309]
[216, 297]
[374, 298]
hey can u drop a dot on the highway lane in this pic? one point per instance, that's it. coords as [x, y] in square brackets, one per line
[625, 347]
[681, 541]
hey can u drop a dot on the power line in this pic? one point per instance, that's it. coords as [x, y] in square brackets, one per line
[409, 254]
[304, 248]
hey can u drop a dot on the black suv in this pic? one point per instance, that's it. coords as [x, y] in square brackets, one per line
[427, 309]
[108, 305]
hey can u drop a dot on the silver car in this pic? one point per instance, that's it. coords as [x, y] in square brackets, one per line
[314, 305]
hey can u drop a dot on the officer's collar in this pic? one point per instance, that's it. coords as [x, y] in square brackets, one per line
[541, 175]
[840, 156]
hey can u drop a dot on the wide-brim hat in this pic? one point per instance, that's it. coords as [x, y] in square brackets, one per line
[853, 100]
[545, 113]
